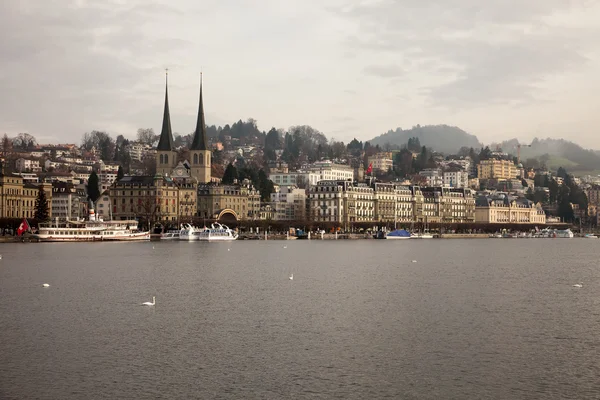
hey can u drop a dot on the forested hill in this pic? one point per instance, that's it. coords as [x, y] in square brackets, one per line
[443, 138]
[554, 153]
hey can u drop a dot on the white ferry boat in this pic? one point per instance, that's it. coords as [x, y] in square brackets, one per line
[170, 235]
[189, 233]
[217, 233]
[90, 231]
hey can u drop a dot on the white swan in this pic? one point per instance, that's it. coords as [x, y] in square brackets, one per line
[45, 285]
[414, 260]
[578, 285]
[150, 304]
[291, 277]
[285, 247]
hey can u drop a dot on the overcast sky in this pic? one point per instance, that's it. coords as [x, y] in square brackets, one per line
[498, 68]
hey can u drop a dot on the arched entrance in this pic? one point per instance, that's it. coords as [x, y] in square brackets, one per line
[226, 215]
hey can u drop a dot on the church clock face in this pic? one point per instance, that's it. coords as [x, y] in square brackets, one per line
[179, 172]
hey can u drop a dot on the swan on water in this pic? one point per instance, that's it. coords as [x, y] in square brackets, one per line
[578, 285]
[291, 277]
[285, 247]
[414, 260]
[150, 304]
[45, 285]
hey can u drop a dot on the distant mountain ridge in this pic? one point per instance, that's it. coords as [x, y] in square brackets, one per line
[555, 153]
[443, 138]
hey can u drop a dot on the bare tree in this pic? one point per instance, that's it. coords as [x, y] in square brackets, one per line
[146, 136]
[24, 141]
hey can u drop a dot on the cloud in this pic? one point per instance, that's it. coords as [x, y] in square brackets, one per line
[59, 59]
[384, 71]
[475, 53]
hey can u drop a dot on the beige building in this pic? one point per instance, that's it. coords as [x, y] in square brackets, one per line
[503, 209]
[496, 169]
[240, 201]
[341, 201]
[17, 198]
[447, 205]
[289, 203]
[382, 161]
[149, 198]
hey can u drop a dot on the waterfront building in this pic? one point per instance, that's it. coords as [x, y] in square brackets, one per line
[502, 208]
[404, 204]
[238, 201]
[151, 198]
[343, 202]
[496, 169]
[288, 203]
[65, 201]
[17, 198]
[447, 205]
[385, 201]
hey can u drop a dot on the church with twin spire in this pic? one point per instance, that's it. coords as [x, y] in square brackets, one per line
[199, 164]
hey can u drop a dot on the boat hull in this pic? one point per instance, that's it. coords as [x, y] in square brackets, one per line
[134, 237]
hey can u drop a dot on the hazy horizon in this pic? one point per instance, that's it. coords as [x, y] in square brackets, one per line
[347, 68]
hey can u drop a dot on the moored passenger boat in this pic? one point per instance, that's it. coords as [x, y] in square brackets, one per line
[89, 231]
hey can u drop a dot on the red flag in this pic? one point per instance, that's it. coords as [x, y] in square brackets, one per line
[24, 227]
[370, 168]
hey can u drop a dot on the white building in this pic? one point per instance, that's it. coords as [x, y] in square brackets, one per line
[103, 207]
[433, 176]
[298, 179]
[65, 201]
[108, 177]
[456, 178]
[289, 203]
[328, 170]
[27, 165]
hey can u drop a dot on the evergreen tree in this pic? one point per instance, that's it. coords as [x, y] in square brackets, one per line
[230, 174]
[93, 189]
[41, 206]
[265, 186]
[120, 173]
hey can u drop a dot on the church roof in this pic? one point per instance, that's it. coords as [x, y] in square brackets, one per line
[200, 141]
[165, 142]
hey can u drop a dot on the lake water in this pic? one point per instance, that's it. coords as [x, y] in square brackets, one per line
[476, 319]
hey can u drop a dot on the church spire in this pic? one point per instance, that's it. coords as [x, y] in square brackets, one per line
[199, 142]
[166, 135]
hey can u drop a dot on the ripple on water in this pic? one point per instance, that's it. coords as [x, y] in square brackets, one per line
[471, 319]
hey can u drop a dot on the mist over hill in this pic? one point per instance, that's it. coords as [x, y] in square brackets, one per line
[555, 153]
[443, 138]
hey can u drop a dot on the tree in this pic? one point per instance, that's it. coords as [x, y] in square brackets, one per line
[265, 186]
[561, 173]
[24, 142]
[101, 141]
[120, 173]
[230, 175]
[93, 187]
[485, 153]
[41, 205]
[146, 136]
[414, 144]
